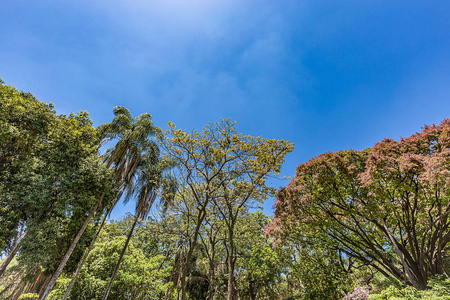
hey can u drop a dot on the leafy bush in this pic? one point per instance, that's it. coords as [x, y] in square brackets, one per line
[440, 287]
[439, 290]
[394, 293]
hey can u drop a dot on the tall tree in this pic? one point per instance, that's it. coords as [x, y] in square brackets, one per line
[258, 160]
[141, 276]
[212, 161]
[149, 180]
[387, 206]
[133, 135]
[25, 123]
[50, 175]
[43, 156]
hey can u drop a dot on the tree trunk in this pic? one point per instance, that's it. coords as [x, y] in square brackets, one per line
[411, 276]
[80, 266]
[183, 283]
[231, 264]
[5, 290]
[113, 276]
[200, 219]
[16, 287]
[231, 280]
[44, 285]
[13, 252]
[16, 296]
[8, 259]
[66, 257]
[212, 274]
[175, 276]
[36, 282]
[252, 289]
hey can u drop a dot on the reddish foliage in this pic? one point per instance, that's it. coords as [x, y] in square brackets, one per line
[387, 206]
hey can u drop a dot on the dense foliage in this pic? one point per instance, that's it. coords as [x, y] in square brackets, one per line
[386, 207]
[370, 224]
[220, 172]
[140, 277]
[51, 175]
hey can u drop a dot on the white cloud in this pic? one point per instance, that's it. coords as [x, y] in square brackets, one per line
[170, 16]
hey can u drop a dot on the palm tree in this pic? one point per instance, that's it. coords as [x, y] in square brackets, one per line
[150, 180]
[91, 245]
[133, 136]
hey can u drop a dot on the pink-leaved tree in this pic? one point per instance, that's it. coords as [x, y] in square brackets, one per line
[386, 207]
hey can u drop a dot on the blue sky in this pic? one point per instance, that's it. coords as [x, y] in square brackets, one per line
[326, 75]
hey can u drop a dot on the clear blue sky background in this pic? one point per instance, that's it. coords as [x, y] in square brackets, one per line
[326, 75]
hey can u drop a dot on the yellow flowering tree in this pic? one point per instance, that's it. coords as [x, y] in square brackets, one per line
[219, 168]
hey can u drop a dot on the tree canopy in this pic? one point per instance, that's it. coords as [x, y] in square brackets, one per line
[350, 223]
[221, 170]
[386, 207]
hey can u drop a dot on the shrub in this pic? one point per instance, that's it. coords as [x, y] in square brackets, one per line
[439, 290]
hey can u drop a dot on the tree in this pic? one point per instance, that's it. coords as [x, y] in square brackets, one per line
[260, 267]
[50, 175]
[210, 240]
[24, 124]
[387, 206]
[149, 182]
[99, 195]
[140, 277]
[59, 189]
[315, 270]
[134, 136]
[216, 164]
[258, 160]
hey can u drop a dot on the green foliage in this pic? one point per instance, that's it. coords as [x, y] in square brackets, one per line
[56, 194]
[29, 296]
[394, 293]
[439, 290]
[261, 267]
[440, 286]
[139, 277]
[24, 123]
[50, 177]
[386, 206]
[321, 274]
[197, 285]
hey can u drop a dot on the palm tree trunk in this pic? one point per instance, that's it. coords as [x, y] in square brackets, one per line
[113, 276]
[38, 279]
[8, 259]
[44, 285]
[80, 266]
[16, 296]
[13, 252]
[66, 257]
